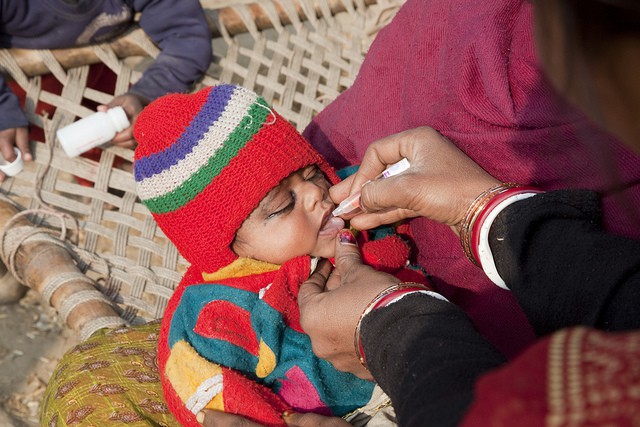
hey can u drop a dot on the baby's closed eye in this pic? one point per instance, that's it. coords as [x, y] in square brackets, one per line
[286, 205]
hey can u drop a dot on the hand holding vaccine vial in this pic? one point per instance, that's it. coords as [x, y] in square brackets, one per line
[352, 203]
[92, 131]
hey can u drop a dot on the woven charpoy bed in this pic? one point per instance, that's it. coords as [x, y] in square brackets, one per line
[94, 252]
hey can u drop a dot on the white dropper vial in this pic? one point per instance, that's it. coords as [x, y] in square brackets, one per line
[92, 131]
[352, 203]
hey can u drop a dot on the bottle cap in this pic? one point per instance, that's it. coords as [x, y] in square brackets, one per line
[119, 117]
[13, 168]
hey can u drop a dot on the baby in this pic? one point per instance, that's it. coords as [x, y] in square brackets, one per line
[245, 200]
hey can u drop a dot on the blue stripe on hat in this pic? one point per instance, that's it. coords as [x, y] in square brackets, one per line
[157, 162]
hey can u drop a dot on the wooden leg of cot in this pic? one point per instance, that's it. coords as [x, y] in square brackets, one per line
[50, 270]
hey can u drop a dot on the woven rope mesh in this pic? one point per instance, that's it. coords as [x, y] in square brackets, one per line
[298, 54]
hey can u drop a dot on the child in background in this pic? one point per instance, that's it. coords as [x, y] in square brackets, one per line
[245, 200]
[179, 27]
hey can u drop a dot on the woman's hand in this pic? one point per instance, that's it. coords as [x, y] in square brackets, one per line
[132, 105]
[331, 303]
[440, 184]
[222, 419]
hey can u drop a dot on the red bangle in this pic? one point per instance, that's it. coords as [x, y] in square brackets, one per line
[383, 299]
[488, 208]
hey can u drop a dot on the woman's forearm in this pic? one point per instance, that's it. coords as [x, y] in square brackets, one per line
[426, 355]
[562, 267]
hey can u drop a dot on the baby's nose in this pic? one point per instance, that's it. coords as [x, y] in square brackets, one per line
[313, 194]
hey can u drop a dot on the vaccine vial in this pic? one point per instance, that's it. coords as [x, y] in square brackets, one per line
[14, 167]
[92, 131]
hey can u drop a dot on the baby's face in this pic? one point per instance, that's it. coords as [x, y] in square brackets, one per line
[293, 219]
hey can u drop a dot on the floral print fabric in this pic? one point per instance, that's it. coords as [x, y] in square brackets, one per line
[111, 378]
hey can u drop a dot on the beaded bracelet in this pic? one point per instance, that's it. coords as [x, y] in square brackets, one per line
[383, 299]
[474, 210]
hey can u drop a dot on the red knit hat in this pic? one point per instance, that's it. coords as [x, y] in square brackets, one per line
[204, 161]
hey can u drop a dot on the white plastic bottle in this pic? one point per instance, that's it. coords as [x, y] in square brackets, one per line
[92, 131]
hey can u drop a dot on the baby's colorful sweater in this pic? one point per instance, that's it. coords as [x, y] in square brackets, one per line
[232, 341]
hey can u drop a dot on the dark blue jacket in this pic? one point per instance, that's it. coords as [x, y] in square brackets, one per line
[178, 27]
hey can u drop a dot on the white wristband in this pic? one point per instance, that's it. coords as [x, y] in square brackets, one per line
[425, 292]
[484, 250]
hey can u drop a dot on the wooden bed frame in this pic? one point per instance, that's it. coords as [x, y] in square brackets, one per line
[94, 252]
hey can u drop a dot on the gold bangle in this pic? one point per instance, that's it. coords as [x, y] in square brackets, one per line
[473, 211]
[374, 304]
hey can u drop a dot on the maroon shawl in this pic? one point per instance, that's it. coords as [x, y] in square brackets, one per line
[469, 70]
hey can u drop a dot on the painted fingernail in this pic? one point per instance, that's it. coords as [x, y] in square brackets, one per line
[200, 417]
[347, 238]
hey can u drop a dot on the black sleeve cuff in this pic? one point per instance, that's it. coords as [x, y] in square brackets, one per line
[563, 269]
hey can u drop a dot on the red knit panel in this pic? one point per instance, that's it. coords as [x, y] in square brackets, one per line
[151, 123]
[252, 400]
[233, 327]
[284, 297]
[204, 228]
[387, 254]
[178, 409]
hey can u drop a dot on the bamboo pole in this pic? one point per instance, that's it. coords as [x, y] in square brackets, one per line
[40, 263]
[32, 65]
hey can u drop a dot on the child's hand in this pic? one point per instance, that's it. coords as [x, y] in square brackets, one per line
[132, 105]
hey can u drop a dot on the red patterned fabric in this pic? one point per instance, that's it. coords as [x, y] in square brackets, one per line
[577, 377]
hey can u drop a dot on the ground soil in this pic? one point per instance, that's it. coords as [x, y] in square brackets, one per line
[32, 340]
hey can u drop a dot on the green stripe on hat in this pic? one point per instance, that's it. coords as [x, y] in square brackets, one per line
[194, 185]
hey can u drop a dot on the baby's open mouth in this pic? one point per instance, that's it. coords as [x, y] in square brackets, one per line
[332, 225]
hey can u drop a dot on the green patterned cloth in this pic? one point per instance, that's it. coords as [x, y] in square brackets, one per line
[111, 378]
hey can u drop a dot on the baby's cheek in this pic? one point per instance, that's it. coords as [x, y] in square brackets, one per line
[292, 246]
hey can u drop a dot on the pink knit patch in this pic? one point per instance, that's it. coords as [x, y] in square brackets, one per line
[298, 391]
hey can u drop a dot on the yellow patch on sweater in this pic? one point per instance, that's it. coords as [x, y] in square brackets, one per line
[240, 268]
[266, 360]
[186, 370]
